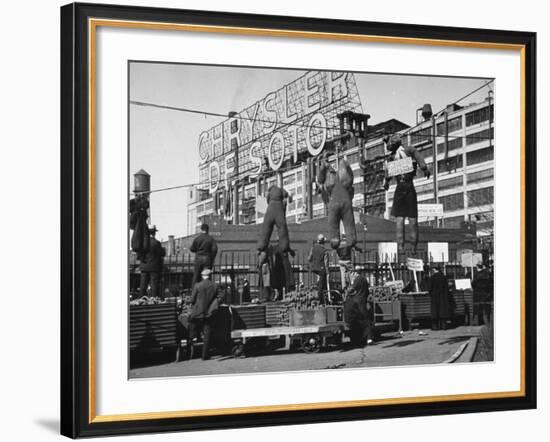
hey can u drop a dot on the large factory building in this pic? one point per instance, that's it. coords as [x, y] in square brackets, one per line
[283, 135]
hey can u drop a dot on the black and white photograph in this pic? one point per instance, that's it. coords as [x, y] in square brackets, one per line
[292, 220]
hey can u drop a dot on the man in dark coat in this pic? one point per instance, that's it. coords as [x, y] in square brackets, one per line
[318, 259]
[205, 249]
[282, 276]
[205, 299]
[483, 291]
[151, 266]
[405, 203]
[438, 288]
[358, 313]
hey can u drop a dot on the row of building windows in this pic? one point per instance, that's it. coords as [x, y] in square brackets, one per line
[480, 197]
[452, 202]
[456, 162]
[480, 136]
[482, 175]
[453, 125]
[450, 183]
[421, 135]
[455, 143]
[451, 164]
[479, 115]
[480, 156]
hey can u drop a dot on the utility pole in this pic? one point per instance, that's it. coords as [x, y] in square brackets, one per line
[309, 186]
[434, 162]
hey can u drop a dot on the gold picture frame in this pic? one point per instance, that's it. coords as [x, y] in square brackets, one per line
[79, 54]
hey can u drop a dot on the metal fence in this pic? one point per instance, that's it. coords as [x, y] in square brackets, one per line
[234, 267]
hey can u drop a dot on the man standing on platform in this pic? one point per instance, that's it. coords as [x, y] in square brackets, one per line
[205, 249]
[151, 266]
[318, 258]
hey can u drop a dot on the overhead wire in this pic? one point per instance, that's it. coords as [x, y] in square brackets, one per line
[299, 124]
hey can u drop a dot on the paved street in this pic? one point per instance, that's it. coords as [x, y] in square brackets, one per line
[411, 348]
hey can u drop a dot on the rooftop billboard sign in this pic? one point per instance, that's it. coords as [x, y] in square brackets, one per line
[298, 117]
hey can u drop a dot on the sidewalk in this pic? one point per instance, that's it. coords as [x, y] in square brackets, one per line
[411, 348]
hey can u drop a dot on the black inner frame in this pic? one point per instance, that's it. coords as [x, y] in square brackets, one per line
[75, 220]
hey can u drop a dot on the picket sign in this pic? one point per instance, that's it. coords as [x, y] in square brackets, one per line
[396, 285]
[400, 167]
[416, 265]
[463, 284]
[471, 260]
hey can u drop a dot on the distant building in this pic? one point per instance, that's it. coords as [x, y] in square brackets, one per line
[466, 176]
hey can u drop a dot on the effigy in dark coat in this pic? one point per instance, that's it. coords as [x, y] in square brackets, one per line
[337, 191]
[139, 241]
[275, 216]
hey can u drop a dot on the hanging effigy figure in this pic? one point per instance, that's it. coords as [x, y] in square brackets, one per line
[275, 215]
[337, 193]
[138, 223]
[405, 203]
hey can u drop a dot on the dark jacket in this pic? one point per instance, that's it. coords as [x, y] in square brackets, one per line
[153, 258]
[356, 306]
[205, 246]
[344, 253]
[203, 295]
[336, 184]
[140, 241]
[483, 286]
[275, 193]
[439, 295]
[317, 257]
[282, 275]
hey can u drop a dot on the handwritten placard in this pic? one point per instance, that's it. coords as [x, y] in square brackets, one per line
[400, 167]
[430, 210]
[415, 264]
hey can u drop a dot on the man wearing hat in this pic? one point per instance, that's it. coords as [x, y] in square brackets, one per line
[151, 266]
[318, 258]
[205, 300]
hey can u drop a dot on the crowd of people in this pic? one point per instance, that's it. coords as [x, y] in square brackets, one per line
[275, 275]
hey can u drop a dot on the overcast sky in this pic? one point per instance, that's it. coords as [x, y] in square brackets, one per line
[165, 142]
